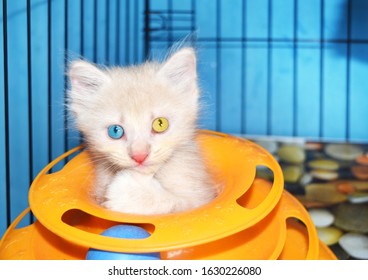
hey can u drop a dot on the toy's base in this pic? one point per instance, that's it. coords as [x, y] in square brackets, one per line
[37, 242]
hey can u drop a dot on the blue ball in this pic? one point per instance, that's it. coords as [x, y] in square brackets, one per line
[123, 231]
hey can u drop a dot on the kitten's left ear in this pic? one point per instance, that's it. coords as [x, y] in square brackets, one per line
[181, 70]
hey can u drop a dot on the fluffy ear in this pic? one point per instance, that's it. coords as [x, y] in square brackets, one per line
[85, 77]
[181, 70]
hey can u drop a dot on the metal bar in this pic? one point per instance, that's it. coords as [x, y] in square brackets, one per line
[117, 35]
[193, 21]
[321, 70]
[95, 31]
[82, 27]
[154, 12]
[66, 43]
[127, 31]
[30, 111]
[263, 40]
[147, 29]
[82, 47]
[348, 66]
[107, 34]
[170, 25]
[218, 66]
[6, 111]
[162, 16]
[169, 29]
[136, 31]
[269, 67]
[49, 81]
[243, 70]
[295, 69]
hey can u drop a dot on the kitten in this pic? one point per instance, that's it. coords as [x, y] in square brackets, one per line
[139, 123]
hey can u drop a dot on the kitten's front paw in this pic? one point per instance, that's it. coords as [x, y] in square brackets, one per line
[124, 203]
[114, 206]
[135, 194]
[120, 194]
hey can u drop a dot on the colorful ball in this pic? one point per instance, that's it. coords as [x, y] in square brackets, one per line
[123, 231]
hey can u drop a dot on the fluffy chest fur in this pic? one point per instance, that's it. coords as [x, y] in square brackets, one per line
[139, 123]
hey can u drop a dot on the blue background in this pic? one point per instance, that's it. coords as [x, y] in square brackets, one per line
[267, 67]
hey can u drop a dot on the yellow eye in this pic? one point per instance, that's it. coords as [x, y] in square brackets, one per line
[160, 124]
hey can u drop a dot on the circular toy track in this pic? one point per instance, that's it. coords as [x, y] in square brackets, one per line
[60, 199]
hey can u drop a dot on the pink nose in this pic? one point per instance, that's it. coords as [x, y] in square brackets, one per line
[139, 158]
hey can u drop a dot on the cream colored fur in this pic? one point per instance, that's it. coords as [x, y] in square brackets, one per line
[173, 176]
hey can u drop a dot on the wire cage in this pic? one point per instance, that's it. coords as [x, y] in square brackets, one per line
[289, 68]
[38, 38]
[269, 67]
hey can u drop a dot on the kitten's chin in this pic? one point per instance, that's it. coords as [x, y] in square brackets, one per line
[145, 168]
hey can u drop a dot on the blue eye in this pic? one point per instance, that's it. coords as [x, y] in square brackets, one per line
[115, 131]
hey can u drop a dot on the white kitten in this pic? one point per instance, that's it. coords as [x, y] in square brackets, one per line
[139, 123]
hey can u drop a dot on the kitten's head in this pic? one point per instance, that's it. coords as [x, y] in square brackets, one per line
[135, 117]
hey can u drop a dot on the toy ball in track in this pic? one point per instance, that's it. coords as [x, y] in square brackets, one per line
[251, 218]
[123, 231]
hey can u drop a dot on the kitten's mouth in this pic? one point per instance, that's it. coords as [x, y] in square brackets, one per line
[145, 167]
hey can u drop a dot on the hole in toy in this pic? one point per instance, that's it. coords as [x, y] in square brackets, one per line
[63, 161]
[57, 167]
[25, 221]
[263, 172]
[297, 240]
[259, 189]
[89, 223]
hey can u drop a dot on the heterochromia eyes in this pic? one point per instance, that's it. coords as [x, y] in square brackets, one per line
[160, 124]
[115, 131]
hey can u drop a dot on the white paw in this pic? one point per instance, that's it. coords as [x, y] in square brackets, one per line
[136, 194]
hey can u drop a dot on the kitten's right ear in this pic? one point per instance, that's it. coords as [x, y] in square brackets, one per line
[85, 77]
